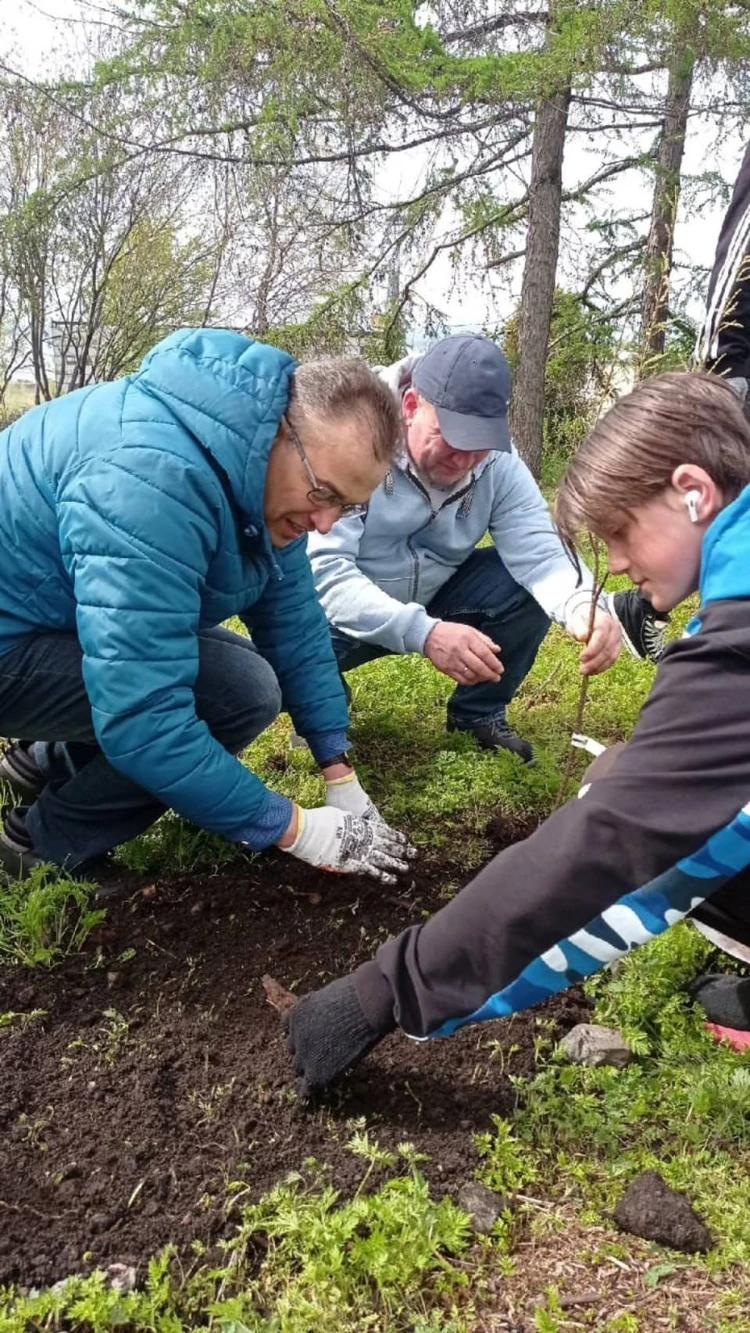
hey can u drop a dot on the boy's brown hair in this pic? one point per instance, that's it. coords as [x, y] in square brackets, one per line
[629, 456]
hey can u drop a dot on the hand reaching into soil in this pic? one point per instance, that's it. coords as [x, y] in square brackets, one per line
[328, 1032]
[348, 844]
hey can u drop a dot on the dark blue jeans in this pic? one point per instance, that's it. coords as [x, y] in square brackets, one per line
[483, 594]
[88, 806]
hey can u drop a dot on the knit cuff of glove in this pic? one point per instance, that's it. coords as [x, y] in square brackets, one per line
[375, 997]
[328, 1032]
[348, 794]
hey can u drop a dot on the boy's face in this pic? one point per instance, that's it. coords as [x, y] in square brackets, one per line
[659, 546]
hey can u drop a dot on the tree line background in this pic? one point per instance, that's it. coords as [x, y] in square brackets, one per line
[297, 168]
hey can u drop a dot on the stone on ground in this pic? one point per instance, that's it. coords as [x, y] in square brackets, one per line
[482, 1204]
[592, 1045]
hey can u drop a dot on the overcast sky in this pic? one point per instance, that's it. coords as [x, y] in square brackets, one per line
[36, 41]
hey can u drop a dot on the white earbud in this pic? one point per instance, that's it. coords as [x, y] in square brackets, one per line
[691, 504]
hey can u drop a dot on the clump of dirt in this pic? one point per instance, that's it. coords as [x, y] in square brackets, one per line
[156, 1072]
[650, 1208]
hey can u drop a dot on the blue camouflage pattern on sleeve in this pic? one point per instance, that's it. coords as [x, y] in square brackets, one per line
[634, 919]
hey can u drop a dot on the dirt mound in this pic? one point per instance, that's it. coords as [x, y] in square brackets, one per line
[652, 1209]
[156, 1073]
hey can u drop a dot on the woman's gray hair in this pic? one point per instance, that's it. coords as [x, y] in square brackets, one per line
[339, 388]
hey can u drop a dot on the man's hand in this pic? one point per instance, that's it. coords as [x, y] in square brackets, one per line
[347, 844]
[466, 655]
[603, 647]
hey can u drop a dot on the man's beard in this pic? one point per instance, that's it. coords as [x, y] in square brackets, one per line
[440, 483]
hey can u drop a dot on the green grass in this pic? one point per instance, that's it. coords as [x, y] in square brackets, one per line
[393, 1259]
[45, 917]
[301, 1261]
[682, 1107]
[432, 784]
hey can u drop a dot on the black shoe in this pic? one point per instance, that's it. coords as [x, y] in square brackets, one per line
[19, 771]
[643, 629]
[498, 735]
[17, 855]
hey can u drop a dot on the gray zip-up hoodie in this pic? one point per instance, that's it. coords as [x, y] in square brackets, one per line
[376, 574]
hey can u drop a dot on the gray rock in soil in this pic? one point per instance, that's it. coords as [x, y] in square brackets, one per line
[592, 1045]
[121, 1277]
[482, 1204]
[652, 1209]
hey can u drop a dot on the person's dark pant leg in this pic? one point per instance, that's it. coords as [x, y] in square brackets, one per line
[724, 340]
[89, 806]
[483, 594]
[351, 653]
[728, 911]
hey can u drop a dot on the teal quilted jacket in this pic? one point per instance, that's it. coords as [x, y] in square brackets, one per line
[132, 512]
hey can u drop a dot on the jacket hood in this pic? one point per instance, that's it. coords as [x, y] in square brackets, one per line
[725, 559]
[230, 392]
[398, 375]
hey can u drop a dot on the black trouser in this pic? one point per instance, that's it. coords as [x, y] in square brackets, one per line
[724, 340]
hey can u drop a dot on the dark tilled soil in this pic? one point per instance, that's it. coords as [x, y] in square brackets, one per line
[158, 1073]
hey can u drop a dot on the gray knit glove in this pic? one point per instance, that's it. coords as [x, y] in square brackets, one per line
[327, 1033]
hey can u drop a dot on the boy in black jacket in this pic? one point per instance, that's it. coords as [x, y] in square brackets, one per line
[723, 348]
[664, 480]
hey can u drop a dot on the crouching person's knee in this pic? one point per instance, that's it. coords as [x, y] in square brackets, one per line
[241, 701]
[262, 706]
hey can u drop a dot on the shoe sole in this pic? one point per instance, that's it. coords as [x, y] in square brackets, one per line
[17, 783]
[642, 657]
[642, 654]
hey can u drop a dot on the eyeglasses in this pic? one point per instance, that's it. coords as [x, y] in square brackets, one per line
[322, 496]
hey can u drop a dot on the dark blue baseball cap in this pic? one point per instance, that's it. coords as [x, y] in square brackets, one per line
[468, 381]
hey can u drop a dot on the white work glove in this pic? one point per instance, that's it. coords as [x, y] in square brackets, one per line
[603, 647]
[349, 794]
[350, 845]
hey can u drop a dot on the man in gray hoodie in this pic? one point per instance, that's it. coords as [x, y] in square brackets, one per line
[407, 576]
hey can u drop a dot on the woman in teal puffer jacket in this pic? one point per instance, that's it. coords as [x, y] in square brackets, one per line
[137, 516]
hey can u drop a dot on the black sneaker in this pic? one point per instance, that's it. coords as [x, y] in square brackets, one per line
[19, 771]
[643, 629]
[17, 855]
[498, 735]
